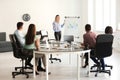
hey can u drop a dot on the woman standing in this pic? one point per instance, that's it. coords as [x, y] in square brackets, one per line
[57, 28]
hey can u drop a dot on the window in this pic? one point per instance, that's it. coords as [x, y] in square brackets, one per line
[102, 13]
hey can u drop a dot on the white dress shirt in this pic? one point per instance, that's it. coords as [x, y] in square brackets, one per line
[20, 37]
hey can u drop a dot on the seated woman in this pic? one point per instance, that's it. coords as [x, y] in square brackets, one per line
[32, 43]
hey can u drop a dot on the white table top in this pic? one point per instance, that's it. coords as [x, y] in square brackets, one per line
[58, 50]
[60, 47]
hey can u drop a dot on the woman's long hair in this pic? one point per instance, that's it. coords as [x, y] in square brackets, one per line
[30, 36]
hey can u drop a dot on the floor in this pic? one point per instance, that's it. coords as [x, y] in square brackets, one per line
[58, 70]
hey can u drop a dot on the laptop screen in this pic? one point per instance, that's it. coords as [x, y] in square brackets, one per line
[68, 38]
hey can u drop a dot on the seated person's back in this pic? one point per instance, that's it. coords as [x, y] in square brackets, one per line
[18, 33]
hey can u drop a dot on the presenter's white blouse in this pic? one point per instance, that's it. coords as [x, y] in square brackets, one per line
[57, 26]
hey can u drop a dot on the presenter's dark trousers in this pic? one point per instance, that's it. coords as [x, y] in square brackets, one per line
[57, 36]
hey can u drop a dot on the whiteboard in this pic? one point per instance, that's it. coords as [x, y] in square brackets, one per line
[72, 27]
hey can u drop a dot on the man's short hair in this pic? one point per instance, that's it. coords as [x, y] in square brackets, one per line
[108, 30]
[19, 25]
[87, 27]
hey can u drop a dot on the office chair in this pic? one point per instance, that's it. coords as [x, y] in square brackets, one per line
[24, 51]
[44, 34]
[103, 49]
[18, 53]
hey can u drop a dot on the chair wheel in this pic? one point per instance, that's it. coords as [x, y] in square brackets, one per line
[13, 76]
[87, 72]
[20, 70]
[15, 69]
[91, 68]
[27, 76]
[51, 61]
[95, 75]
[111, 67]
[109, 73]
[49, 73]
[59, 60]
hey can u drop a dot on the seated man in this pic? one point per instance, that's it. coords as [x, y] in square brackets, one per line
[89, 41]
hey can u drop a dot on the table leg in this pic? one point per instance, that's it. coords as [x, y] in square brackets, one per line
[34, 75]
[47, 66]
[88, 64]
[69, 58]
[82, 56]
[78, 67]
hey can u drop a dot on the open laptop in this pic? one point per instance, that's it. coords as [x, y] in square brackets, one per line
[69, 38]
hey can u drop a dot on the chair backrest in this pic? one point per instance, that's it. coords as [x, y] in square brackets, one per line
[69, 38]
[103, 46]
[17, 52]
[2, 36]
[44, 34]
[18, 42]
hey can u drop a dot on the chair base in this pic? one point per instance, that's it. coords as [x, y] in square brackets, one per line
[16, 68]
[54, 59]
[105, 66]
[22, 71]
[51, 58]
[99, 70]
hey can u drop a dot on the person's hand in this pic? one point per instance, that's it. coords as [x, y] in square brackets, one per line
[64, 22]
[38, 49]
[82, 44]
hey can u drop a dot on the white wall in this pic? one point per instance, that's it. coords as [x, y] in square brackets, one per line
[42, 13]
[116, 44]
[118, 11]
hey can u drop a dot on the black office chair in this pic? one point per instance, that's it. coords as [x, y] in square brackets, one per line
[23, 50]
[44, 34]
[103, 49]
[19, 53]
